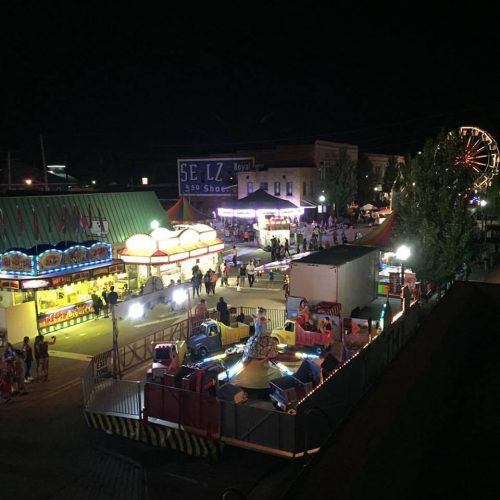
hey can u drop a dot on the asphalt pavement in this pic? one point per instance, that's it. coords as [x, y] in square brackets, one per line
[48, 452]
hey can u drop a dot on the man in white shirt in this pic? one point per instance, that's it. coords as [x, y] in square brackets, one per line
[251, 273]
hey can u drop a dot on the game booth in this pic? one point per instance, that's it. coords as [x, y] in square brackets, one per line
[271, 216]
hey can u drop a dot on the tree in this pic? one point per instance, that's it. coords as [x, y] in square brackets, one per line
[339, 177]
[366, 179]
[432, 207]
[390, 174]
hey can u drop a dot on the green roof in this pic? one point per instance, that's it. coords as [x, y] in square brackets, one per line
[337, 255]
[126, 214]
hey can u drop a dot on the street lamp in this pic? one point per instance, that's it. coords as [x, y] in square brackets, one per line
[322, 206]
[402, 254]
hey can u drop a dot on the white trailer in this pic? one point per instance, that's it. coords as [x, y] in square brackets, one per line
[346, 274]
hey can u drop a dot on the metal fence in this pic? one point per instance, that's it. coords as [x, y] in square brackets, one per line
[322, 412]
[258, 426]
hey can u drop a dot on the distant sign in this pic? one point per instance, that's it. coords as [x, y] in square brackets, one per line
[210, 176]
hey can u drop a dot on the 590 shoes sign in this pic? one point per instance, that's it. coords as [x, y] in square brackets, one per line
[211, 176]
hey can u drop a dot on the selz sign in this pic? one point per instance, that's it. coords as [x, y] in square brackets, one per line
[211, 176]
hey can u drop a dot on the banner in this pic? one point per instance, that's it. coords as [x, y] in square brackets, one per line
[211, 176]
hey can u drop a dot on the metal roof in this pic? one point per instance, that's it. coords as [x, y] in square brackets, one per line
[126, 214]
[337, 255]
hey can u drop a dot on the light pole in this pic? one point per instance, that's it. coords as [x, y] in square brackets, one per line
[402, 254]
[322, 207]
[483, 204]
[116, 360]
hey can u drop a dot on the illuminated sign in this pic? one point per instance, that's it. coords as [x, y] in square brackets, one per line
[26, 285]
[51, 259]
[80, 276]
[210, 176]
[61, 280]
[9, 284]
[100, 251]
[102, 271]
[17, 263]
[117, 268]
[66, 314]
[75, 255]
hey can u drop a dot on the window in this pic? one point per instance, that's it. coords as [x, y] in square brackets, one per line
[304, 188]
[289, 188]
[277, 189]
[249, 187]
[311, 188]
[263, 185]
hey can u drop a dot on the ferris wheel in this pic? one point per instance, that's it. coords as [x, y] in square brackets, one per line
[480, 155]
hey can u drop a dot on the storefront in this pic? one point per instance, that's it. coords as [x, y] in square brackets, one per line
[55, 284]
[171, 255]
[267, 222]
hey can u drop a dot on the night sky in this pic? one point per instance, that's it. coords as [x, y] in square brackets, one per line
[126, 90]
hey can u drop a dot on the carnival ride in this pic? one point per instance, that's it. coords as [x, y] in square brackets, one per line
[481, 155]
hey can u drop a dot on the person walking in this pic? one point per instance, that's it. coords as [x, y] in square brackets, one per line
[251, 273]
[19, 383]
[207, 280]
[28, 359]
[235, 256]
[223, 311]
[201, 310]
[242, 274]
[105, 303]
[43, 357]
[112, 297]
[286, 248]
[194, 285]
[96, 304]
[6, 378]
[225, 275]
[213, 281]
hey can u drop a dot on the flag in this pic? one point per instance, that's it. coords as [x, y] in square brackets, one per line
[2, 224]
[83, 223]
[355, 327]
[90, 216]
[62, 221]
[101, 221]
[76, 219]
[20, 219]
[36, 223]
[49, 220]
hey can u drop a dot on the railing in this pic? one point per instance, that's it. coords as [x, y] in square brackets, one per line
[321, 413]
[135, 353]
[275, 317]
[258, 426]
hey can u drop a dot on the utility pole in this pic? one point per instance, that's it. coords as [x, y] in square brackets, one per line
[45, 176]
[116, 359]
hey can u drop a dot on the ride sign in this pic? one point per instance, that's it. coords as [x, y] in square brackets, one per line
[211, 176]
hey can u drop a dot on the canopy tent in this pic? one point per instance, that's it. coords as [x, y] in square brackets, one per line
[381, 236]
[368, 206]
[261, 199]
[184, 212]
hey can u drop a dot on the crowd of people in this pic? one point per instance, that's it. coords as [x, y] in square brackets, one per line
[16, 366]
